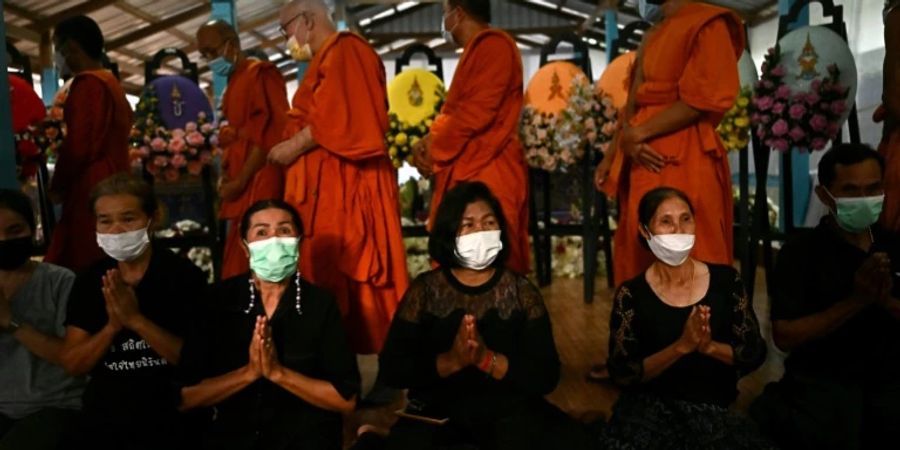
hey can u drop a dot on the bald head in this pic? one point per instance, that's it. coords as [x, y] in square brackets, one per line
[217, 38]
[307, 21]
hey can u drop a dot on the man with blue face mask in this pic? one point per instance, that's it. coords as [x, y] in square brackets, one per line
[255, 106]
[835, 308]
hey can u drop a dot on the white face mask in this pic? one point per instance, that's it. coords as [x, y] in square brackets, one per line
[126, 246]
[671, 249]
[477, 251]
[448, 34]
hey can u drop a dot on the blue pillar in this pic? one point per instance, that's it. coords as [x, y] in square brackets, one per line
[49, 85]
[799, 161]
[7, 144]
[222, 10]
[611, 20]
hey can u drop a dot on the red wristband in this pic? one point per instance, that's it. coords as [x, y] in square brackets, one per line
[486, 362]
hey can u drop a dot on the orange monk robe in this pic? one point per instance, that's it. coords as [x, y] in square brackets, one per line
[255, 104]
[346, 188]
[476, 136]
[691, 56]
[98, 121]
[890, 150]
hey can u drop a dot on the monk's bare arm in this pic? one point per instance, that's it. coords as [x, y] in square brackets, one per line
[286, 152]
[673, 118]
[255, 161]
[892, 63]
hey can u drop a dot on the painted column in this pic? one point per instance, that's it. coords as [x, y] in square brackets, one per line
[799, 161]
[611, 19]
[222, 10]
[7, 144]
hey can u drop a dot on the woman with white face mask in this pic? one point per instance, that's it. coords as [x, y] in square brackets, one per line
[471, 340]
[681, 334]
[271, 355]
[126, 317]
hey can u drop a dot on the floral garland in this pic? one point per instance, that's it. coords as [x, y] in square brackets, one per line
[735, 126]
[802, 120]
[41, 142]
[402, 136]
[557, 141]
[166, 154]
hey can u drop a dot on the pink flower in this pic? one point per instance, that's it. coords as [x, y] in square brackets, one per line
[179, 161]
[143, 151]
[171, 174]
[838, 107]
[779, 108]
[160, 161]
[797, 134]
[177, 133]
[818, 123]
[818, 143]
[201, 115]
[779, 71]
[815, 85]
[780, 127]
[158, 144]
[214, 140]
[177, 145]
[797, 111]
[783, 91]
[768, 84]
[190, 126]
[195, 139]
[812, 98]
[206, 128]
[195, 167]
[764, 103]
[779, 144]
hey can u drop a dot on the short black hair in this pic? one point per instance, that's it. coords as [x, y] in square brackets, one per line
[650, 203]
[266, 204]
[19, 203]
[124, 183]
[444, 230]
[478, 9]
[845, 155]
[83, 30]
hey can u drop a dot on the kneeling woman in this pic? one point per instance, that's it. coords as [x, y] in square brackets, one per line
[680, 336]
[471, 340]
[271, 357]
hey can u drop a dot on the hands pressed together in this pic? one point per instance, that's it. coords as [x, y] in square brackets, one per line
[422, 156]
[263, 361]
[121, 302]
[697, 333]
[873, 283]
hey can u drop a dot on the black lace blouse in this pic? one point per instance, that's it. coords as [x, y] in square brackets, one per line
[641, 324]
[512, 321]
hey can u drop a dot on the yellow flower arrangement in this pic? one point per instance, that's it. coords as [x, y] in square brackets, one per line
[735, 126]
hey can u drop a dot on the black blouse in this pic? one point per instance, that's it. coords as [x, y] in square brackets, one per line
[511, 319]
[641, 324]
[264, 415]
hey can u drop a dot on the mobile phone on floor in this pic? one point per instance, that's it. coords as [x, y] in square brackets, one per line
[418, 410]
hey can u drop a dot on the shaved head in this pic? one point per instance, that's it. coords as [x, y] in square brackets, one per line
[316, 8]
[213, 36]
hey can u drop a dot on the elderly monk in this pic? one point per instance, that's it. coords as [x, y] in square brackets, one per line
[98, 121]
[255, 105]
[475, 137]
[684, 80]
[340, 177]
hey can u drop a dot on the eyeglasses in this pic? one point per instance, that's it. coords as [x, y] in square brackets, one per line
[209, 55]
[283, 28]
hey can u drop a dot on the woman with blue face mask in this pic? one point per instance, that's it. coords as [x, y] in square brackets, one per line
[472, 340]
[270, 356]
[126, 319]
[680, 336]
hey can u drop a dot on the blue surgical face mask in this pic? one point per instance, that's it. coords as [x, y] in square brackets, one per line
[221, 66]
[650, 12]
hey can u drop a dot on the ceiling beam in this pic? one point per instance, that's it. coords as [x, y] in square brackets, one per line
[396, 16]
[25, 34]
[157, 27]
[79, 9]
[21, 12]
[147, 17]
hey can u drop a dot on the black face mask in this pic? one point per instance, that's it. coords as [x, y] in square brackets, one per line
[15, 252]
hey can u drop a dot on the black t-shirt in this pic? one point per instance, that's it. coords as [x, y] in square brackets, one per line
[131, 379]
[641, 324]
[314, 344]
[814, 271]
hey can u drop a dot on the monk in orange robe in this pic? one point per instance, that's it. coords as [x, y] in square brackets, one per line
[889, 113]
[98, 121]
[684, 80]
[476, 135]
[339, 174]
[255, 105]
